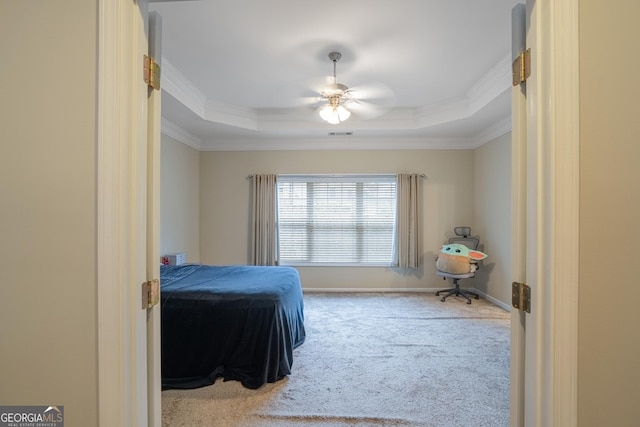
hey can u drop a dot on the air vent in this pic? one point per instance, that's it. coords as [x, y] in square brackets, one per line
[340, 133]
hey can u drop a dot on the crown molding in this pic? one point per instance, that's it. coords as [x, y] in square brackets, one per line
[229, 114]
[486, 89]
[181, 88]
[340, 143]
[179, 134]
[185, 91]
[491, 85]
[492, 132]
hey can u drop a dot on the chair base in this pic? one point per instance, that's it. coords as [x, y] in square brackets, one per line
[457, 292]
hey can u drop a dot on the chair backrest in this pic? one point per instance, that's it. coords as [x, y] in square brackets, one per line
[470, 242]
[462, 231]
[463, 236]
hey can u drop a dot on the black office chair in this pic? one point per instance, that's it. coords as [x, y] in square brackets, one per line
[463, 236]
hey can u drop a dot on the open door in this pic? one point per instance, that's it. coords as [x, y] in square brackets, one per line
[154, 374]
[129, 377]
[146, 174]
[545, 214]
[144, 159]
[518, 215]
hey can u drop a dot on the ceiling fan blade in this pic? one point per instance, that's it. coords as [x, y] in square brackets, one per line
[370, 100]
[367, 110]
[367, 100]
[307, 93]
[312, 102]
[318, 85]
[374, 92]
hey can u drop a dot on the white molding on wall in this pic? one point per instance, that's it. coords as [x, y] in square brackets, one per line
[492, 132]
[494, 83]
[565, 171]
[181, 88]
[493, 300]
[367, 290]
[185, 91]
[551, 385]
[489, 298]
[112, 399]
[491, 85]
[339, 143]
[232, 115]
[179, 134]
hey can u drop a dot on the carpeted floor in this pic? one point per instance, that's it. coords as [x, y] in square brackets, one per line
[373, 360]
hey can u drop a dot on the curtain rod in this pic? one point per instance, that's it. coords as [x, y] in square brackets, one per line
[421, 175]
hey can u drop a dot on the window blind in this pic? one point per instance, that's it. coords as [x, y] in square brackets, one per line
[348, 219]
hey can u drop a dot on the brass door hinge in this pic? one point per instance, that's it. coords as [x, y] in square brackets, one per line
[521, 296]
[521, 67]
[150, 293]
[151, 72]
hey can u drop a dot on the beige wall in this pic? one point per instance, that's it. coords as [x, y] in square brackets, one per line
[482, 177]
[48, 342]
[492, 216]
[609, 318]
[47, 283]
[225, 206]
[179, 199]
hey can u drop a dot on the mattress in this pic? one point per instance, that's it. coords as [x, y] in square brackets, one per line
[232, 322]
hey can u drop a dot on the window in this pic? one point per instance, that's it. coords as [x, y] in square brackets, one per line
[326, 219]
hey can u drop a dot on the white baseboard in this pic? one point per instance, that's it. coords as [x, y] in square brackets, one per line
[493, 300]
[366, 290]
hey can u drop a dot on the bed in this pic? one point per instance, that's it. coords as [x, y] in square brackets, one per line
[232, 322]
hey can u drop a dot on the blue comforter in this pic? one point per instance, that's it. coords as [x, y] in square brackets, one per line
[235, 322]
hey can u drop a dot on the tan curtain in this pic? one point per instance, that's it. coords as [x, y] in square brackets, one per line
[408, 230]
[264, 240]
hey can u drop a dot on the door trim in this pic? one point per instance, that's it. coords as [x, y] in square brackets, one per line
[518, 251]
[552, 398]
[117, 296]
[154, 118]
[111, 399]
[563, 124]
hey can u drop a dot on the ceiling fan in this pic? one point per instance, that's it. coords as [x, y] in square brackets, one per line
[339, 101]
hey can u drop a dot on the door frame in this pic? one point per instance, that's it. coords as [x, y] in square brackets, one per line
[123, 386]
[562, 44]
[154, 115]
[556, 62]
[544, 379]
[113, 404]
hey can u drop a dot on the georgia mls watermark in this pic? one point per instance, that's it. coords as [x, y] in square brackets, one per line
[32, 416]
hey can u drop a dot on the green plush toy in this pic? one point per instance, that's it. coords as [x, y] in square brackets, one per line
[456, 258]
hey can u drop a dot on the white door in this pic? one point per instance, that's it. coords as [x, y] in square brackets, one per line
[144, 174]
[128, 178]
[145, 160]
[545, 216]
[518, 218]
[154, 380]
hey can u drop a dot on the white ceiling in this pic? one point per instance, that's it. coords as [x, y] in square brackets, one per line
[235, 73]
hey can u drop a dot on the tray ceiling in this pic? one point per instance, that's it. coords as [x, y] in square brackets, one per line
[235, 75]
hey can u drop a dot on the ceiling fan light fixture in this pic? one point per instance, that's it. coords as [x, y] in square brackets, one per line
[335, 93]
[334, 89]
[329, 114]
[334, 115]
[343, 113]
